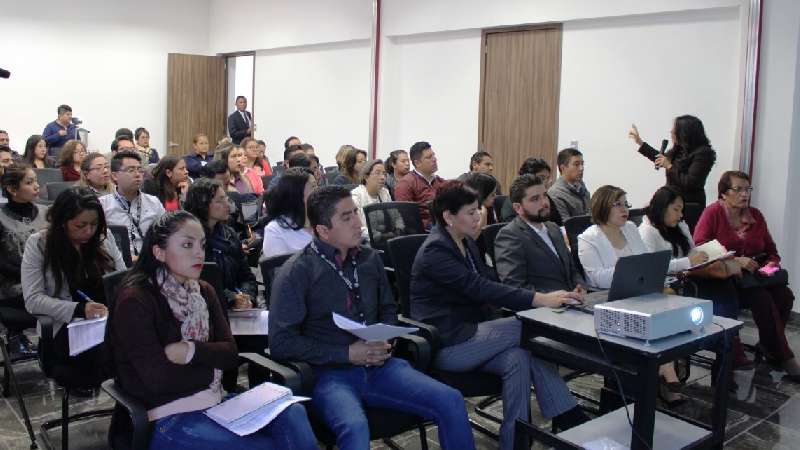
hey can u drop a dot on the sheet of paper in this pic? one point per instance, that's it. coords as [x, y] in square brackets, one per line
[713, 260]
[247, 402]
[259, 418]
[85, 334]
[713, 249]
[371, 333]
[249, 325]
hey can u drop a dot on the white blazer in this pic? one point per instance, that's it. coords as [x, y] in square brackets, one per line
[598, 257]
[655, 243]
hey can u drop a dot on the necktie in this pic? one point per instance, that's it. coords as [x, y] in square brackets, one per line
[246, 120]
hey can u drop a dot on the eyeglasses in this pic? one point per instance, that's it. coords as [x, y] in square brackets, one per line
[99, 167]
[378, 174]
[619, 204]
[132, 170]
[742, 190]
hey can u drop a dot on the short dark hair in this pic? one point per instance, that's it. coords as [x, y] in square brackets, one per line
[86, 164]
[63, 109]
[287, 152]
[13, 176]
[533, 166]
[199, 196]
[299, 160]
[477, 157]
[452, 196]
[124, 132]
[483, 183]
[565, 155]
[602, 202]
[116, 160]
[289, 139]
[214, 168]
[285, 200]
[120, 138]
[4, 148]
[521, 184]
[242, 97]
[261, 142]
[415, 152]
[139, 131]
[321, 205]
[726, 181]
[306, 147]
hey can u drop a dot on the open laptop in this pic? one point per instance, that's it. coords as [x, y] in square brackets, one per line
[633, 276]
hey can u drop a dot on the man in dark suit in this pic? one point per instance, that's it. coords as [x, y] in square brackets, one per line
[240, 122]
[530, 251]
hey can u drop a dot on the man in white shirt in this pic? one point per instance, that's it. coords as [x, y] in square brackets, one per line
[128, 206]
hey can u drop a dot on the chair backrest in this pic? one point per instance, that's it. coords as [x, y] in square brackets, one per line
[489, 234]
[330, 169]
[212, 275]
[269, 267]
[56, 187]
[265, 180]
[635, 215]
[277, 169]
[331, 175]
[499, 201]
[388, 220]
[403, 250]
[111, 283]
[123, 241]
[574, 226]
[44, 176]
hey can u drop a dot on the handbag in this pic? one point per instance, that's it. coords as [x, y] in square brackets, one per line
[719, 270]
[754, 280]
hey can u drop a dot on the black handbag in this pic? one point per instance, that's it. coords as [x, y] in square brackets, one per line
[753, 280]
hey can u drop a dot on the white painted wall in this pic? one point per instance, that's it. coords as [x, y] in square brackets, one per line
[108, 61]
[320, 93]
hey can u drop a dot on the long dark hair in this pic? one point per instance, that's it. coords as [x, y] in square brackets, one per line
[690, 133]
[65, 262]
[199, 197]
[286, 199]
[144, 273]
[164, 187]
[655, 211]
[30, 149]
[483, 183]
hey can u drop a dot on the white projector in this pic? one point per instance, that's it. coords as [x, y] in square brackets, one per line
[652, 316]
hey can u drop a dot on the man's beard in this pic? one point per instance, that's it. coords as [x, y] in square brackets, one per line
[541, 217]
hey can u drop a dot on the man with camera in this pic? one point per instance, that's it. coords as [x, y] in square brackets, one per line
[59, 131]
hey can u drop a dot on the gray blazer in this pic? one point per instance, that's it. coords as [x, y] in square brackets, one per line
[38, 288]
[525, 260]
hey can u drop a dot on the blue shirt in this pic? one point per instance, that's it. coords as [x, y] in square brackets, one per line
[195, 163]
[54, 140]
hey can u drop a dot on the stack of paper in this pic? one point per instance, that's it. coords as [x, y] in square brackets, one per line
[252, 410]
[371, 333]
[715, 252]
[85, 334]
[249, 322]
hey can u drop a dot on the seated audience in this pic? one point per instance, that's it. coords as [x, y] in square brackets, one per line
[290, 141]
[254, 166]
[59, 131]
[262, 153]
[353, 162]
[291, 158]
[96, 174]
[486, 187]
[599, 247]
[452, 289]
[341, 154]
[530, 251]
[199, 156]
[6, 158]
[5, 141]
[172, 356]
[120, 144]
[36, 153]
[333, 274]
[234, 156]
[420, 185]
[397, 166]
[149, 154]
[319, 172]
[663, 228]
[127, 206]
[169, 183]
[218, 170]
[482, 162]
[288, 229]
[72, 154]
[569, 194]
[371, 190]
[742, 228]
[539, 168]
[62, 278]
[207, 200]
[20, 217]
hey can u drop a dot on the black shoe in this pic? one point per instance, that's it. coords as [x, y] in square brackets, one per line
[20, 347]
[570, 419]
[670, 394]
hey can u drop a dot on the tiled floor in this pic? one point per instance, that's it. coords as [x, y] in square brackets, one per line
[764, 412]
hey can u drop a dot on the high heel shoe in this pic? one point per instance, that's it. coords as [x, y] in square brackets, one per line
[666, 388]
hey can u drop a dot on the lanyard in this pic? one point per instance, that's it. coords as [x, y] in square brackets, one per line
[352, 286]
[134, 222]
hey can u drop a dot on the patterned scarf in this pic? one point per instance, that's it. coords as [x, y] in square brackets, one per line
[190, 309]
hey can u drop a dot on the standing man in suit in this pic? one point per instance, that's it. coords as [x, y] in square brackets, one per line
[530, 250]
[240, 122]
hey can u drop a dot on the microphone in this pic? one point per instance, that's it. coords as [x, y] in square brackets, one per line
[664, 144]
[4, 73]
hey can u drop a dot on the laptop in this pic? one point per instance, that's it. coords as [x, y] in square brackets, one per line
[633, 276]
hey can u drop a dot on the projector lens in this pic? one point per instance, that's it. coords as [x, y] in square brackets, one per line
[697, 315]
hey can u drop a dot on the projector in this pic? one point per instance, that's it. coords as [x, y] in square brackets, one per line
[652, 316]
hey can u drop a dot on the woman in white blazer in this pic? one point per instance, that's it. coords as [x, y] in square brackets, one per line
[601, 245]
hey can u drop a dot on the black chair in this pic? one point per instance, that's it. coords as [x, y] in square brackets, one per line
[488, 235]
[57, 187]
[212, 275]
[266, 179]
[388, 220]
[44, 176]
[499, 201]
[269, 267]
[329, 169]
[635, 215]
[471, 384]
[123, 241]
[331, 175]
[277, 169]
[9, 379]
[575, 226]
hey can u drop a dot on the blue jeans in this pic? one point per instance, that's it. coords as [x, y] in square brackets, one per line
[195, 431]
[341, 394]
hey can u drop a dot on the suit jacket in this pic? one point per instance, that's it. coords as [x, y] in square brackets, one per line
[689, 170]
[237, 127]
[448, 294]
[525, 260]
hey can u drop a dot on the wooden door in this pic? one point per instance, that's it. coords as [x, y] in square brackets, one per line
[520, 83]
[195, 100]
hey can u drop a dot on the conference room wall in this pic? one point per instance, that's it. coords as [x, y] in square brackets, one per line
[320, 93]
[105, 58]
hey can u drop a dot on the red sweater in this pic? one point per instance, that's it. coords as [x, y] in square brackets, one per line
[414, 188]
[714, 224]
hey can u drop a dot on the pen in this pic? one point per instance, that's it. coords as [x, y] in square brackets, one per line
[83, 296]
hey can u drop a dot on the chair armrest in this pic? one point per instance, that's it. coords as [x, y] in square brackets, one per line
[136, 411]
[427, 332]
[415, 349]
[280, 373]
[45, 344]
